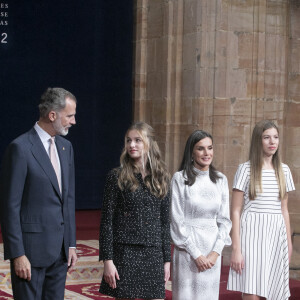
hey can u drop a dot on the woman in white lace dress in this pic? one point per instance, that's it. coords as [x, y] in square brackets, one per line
[200, 222]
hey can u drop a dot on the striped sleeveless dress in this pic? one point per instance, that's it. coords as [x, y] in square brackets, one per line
[263, 238]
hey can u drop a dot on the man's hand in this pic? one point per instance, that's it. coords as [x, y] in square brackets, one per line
[22, 267]
[72, 259]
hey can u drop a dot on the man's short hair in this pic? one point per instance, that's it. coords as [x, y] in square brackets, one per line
[54, 99]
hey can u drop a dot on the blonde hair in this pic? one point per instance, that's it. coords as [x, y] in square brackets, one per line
[256, 161]
[158, 178]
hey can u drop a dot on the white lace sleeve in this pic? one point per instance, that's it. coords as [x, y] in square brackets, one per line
[223, 220]
[179, 232]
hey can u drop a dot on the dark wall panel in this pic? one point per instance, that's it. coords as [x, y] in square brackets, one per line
[86, 48]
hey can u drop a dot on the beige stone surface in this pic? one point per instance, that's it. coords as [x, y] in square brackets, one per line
[294, 264]
[220, 66]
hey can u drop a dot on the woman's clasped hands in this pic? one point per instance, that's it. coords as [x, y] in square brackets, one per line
[206, 262]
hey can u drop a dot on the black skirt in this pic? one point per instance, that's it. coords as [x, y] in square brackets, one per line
[141, 272]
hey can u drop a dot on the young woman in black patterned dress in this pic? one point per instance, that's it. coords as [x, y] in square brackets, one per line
[135, 230]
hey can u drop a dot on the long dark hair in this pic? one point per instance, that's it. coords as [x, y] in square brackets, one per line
[187, 165]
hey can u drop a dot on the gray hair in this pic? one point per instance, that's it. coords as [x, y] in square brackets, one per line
[54, 99]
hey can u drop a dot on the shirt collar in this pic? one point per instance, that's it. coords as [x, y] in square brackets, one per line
[44, 136]
[199, 172]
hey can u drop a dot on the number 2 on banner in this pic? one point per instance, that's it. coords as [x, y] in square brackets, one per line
[3, 38]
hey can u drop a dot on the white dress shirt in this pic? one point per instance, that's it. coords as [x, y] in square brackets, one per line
[45, 138]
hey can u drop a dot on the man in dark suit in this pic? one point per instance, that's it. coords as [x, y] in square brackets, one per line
[37, 197]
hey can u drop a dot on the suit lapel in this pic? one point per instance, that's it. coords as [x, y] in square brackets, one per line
[40, 154]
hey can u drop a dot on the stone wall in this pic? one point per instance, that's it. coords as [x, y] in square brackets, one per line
[292, 127]
[221, 66]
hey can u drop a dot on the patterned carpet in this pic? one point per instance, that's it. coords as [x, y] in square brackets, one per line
[82, 283]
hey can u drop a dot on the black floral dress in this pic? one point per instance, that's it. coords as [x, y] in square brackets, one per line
[135, 234]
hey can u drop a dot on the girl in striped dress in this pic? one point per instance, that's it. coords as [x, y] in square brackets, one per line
[261, 237]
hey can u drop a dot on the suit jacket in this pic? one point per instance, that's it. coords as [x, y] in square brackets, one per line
[36, 219]
[137, 218]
